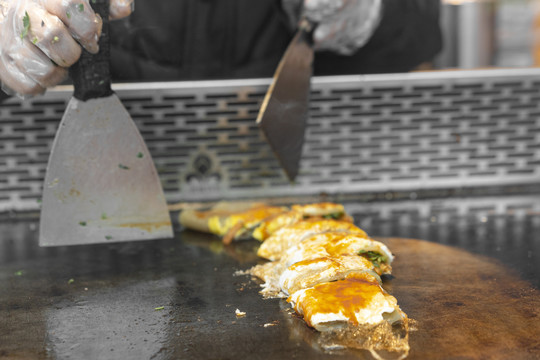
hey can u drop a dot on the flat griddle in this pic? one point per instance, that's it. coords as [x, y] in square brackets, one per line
[177, 299]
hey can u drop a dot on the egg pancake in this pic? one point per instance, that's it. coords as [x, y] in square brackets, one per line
[239, 224]
[327, 268]
[288, 236]
[276, 222]
[297, 213]
[358, 299]
[337, 244]
[326, 210]
[308, 273]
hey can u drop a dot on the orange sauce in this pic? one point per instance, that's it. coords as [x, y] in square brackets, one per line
[334, 236]
[340, 247]
[346, 296]
[270, 225]
[317, 224]
[150, 226]
[312, 261]
[74, 192]
[202, 215]
[258, 214]
[289, 236]
[324, 237]
[236, 223]
[334, 242]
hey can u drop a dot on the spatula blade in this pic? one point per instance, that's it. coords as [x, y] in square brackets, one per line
[101, 184]
[284, 111]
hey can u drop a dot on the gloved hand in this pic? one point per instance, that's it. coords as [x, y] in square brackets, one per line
[343, 26]
[40, 39]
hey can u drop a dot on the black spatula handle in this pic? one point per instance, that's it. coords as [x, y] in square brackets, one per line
[91, 74]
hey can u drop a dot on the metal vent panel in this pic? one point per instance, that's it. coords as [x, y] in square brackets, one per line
[365, 133]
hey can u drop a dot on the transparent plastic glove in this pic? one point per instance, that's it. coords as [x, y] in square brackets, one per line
[343, 26]
[40, 39]
[119, 9]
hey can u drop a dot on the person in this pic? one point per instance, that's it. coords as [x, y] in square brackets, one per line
[212, 39]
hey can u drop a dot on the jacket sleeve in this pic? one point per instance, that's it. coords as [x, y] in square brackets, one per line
[408, 35]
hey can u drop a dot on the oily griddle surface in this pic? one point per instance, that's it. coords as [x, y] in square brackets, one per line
[464, 305]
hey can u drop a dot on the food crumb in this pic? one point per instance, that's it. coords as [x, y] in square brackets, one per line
[269, 324]
[239, 313]
[241, 272]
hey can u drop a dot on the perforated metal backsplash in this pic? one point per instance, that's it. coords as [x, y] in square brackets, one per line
[365, 133]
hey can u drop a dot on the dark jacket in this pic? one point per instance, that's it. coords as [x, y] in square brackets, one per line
[226, 39]
[212, 39]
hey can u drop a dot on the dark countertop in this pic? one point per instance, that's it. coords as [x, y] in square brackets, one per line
[99, 301]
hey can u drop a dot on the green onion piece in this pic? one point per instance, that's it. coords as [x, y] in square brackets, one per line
[82, 223]
[71, 281]
[19, 273]
[108, 237]
[140, 155]
[26, 25]
[81, 7]
[376, 258]
[123, 167]
[68, 14]
[159, 308]
[334, 216]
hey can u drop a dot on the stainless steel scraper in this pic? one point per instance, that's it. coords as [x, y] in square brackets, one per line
[284, 111]
[101, 184]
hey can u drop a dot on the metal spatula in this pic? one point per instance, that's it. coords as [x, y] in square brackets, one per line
[284, 111]
[101, 184]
